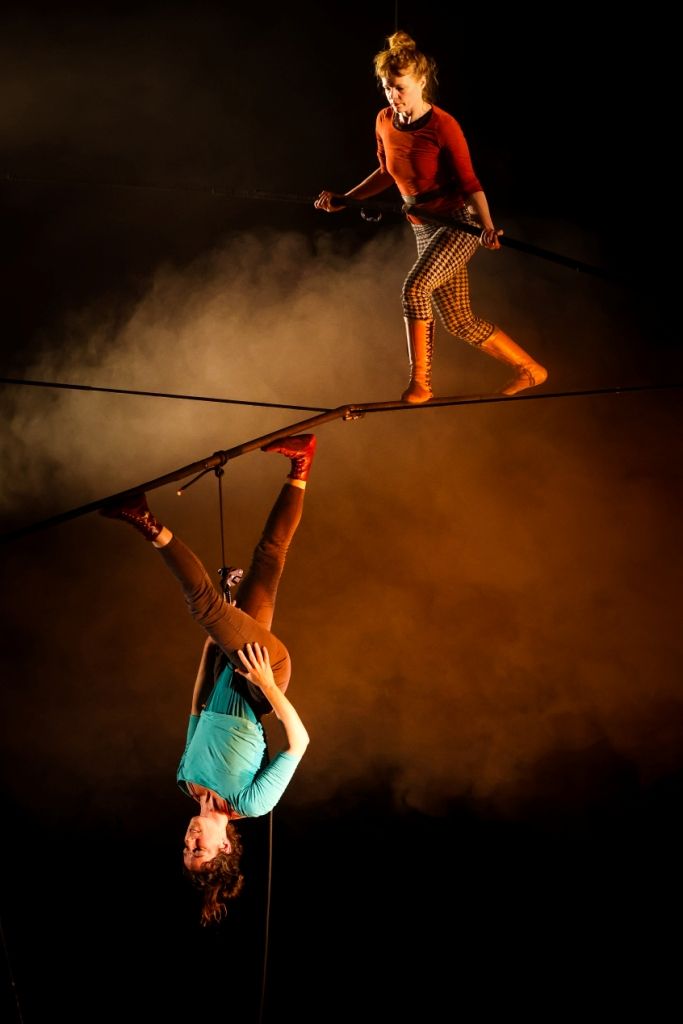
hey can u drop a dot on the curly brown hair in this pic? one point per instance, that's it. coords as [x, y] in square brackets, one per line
[402, 57]
[219, 880]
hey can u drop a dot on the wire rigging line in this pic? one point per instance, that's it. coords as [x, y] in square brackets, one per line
[266, 927]
[284, 197]
[200, 467]
[343, 412]
[220, 472]
[366, 407]
[158, 394]
[12, 979]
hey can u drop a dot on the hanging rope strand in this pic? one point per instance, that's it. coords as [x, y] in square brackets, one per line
[219, 473]
[266, 927]
[230, 575]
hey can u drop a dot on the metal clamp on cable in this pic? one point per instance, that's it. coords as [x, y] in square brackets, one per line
[352, 412]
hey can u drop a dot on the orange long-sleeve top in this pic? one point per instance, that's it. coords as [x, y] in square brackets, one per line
[432, 155]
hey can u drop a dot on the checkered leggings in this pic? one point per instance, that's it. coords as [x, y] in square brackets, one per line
[439, 280]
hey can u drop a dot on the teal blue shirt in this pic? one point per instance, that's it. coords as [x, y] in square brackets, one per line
[227, 753]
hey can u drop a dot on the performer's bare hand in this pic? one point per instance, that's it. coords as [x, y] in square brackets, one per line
[256, 662]
[489, 238]
[325, 201]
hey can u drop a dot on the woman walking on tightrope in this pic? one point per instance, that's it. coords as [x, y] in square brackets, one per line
[422, 150]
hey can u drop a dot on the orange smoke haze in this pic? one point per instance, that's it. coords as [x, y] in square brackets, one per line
[476, 596]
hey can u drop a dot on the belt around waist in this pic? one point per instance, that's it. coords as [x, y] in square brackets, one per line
[426, 197]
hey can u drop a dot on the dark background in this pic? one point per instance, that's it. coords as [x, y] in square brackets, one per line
[482, 603]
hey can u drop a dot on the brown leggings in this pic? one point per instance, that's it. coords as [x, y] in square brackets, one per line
[232, 626]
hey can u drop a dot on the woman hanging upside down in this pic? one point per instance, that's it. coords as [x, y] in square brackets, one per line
[422, 150]
[243, 674]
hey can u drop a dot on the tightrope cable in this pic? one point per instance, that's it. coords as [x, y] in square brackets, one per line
[156, 394]
[343, 412]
